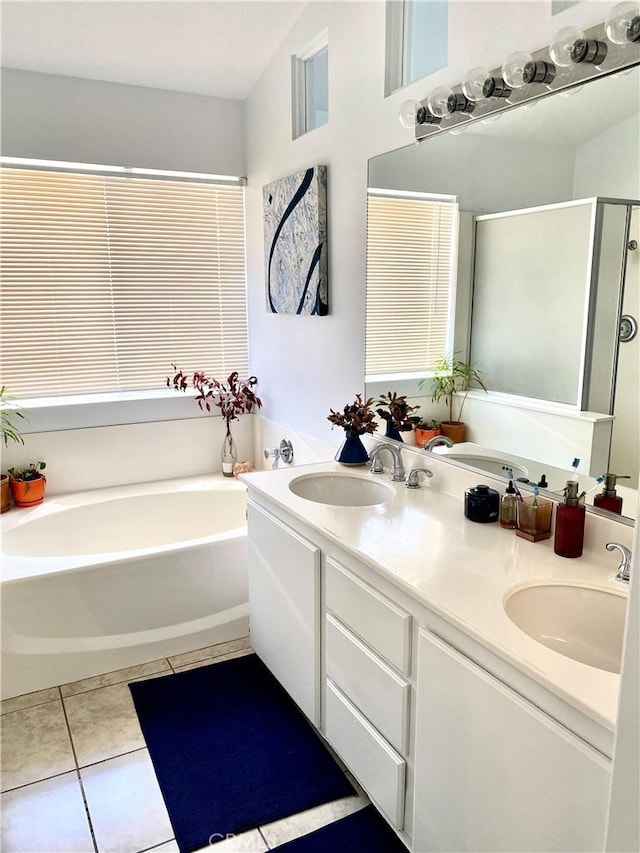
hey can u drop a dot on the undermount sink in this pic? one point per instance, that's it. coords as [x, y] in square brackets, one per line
[490, 464]
[341, 490]
[580, 622]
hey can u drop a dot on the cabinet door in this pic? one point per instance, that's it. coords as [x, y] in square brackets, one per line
[492, 772]
[284, 584]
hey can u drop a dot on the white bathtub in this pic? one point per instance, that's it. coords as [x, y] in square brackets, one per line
[101, 580]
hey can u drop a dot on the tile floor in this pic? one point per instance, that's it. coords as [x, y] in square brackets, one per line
[77, 777]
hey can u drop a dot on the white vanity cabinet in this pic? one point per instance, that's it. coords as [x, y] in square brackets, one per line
[284, 606]
[458, 748]
[494, 773]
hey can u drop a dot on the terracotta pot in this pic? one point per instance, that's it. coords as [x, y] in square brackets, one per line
[4, 484]
[423, 435]
[28, 492]
[454, 430]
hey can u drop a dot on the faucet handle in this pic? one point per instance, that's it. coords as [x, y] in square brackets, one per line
[624, 569]
[413, 477]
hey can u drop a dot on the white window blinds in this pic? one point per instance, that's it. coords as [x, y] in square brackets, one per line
[107, 281]
[411, 246]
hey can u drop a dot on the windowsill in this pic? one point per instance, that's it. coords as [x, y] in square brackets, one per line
[86, 411]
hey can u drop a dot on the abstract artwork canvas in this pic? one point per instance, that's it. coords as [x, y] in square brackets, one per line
[295, 243]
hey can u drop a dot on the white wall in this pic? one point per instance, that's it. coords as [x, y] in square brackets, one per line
[310, 364]
[598, 173]
[51, 117]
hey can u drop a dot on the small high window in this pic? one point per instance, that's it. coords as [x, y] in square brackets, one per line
[310, 86]
[417, 40]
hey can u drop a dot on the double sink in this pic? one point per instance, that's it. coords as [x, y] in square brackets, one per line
[582, 622]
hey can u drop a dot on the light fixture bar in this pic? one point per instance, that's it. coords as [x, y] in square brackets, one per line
[542, 78]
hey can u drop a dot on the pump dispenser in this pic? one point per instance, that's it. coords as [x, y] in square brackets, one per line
[608, 499]
[569, 535]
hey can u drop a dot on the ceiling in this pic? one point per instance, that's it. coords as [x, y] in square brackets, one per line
[206, 48]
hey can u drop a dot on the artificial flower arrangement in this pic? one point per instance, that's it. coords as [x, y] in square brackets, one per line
[233, 397]
[397, 413]
[356, 418]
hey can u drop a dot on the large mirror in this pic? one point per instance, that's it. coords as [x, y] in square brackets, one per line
[545, 284]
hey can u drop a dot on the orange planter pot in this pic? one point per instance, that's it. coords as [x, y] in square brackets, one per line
[28, 492]
[5, 504]
[454, 430]
[423, 435]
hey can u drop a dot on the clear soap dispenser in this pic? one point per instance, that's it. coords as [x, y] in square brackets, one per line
[569, 535]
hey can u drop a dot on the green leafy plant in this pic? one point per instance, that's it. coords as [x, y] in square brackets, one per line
[424, 423]
[396, 409]
[452, 376]
[356, 417]
[8, 415]
[26, 474]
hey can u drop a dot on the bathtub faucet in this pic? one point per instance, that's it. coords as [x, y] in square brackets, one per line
[284, 452]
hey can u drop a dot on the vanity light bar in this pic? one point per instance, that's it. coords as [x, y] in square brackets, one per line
[573, 58]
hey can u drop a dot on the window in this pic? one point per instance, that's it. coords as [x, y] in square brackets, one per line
[310, 86]
[107, 280]
[417, 40]
[411, 270]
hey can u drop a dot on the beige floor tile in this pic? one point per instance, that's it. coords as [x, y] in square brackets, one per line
[209, 661]
[247, 842]
[28, 700]
[46, 817]
[35, 745]
[125, 804]
[103, 723]
[209, 652]
[288, 828]
[131, 673]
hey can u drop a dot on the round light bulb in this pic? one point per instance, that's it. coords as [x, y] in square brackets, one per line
[560, 47]
[623, 23]
[407, 113]
[513, 68]
[473, 84]
[438, 100]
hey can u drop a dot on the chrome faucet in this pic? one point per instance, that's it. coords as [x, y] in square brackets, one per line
[397, 469]
[624, 569]
[437, 440]
[413, 477]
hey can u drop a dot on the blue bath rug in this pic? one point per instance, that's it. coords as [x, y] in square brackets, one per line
[361, 832]
[231, 750]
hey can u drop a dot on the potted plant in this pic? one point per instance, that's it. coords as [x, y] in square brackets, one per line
[10, 433]
[28, 484]
[426, 429]
[234, 397]
[356, 419]
[397, 414]
[452, 376]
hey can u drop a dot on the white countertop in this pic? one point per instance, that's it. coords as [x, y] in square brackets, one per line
[421, 542]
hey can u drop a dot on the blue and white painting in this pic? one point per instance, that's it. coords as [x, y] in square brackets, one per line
[295, 243]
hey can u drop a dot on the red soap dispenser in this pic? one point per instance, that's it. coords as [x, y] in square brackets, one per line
[608, 499]
[570, 516]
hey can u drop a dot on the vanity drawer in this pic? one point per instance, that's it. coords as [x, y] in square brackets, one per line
[378, 767]
[372, 686]
[376, 620]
